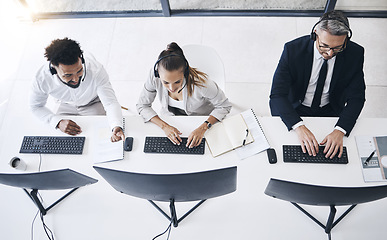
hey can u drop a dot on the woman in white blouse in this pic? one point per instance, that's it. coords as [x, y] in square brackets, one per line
[182, 90]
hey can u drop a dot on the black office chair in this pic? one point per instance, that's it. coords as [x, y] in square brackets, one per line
[50, 180]
[198, 186]
[299, 193]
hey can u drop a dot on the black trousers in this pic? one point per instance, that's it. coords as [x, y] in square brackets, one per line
[177, 111]
[325, 111]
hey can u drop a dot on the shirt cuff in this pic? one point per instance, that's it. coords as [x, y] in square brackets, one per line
[300, 123]
[341, 130]
[55, 120]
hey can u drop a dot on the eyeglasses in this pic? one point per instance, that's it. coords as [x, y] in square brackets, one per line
[327, 48]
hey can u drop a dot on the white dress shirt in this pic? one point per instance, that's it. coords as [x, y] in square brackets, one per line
[318, 61]
[95, 84]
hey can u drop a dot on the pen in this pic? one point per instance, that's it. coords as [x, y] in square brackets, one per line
[244, 140]
[369, 158]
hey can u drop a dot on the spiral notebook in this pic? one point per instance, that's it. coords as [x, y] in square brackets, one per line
[104, 149]
[260, 141]
[227, 135]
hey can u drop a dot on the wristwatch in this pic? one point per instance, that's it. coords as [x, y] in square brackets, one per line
[208, 124]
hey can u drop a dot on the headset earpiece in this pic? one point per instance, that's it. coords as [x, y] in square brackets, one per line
[186, 71]
[313, 34]
[52, 69]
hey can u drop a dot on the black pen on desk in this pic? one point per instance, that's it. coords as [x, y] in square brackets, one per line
[369, 158]
[244, 140]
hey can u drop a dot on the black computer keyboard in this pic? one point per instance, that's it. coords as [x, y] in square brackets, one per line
[164, 145]
[293, 153]
[52, 145]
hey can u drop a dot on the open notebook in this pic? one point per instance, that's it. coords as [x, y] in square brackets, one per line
[104, 150]
[227, 135]
[260, 141]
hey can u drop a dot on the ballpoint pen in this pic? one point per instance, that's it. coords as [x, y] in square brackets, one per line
[244, 140]
[369, 158]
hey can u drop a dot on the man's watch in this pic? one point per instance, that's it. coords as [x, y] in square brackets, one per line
[208, 124]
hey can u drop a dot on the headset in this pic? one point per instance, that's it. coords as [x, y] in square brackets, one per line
[313, 35]
[53, 70]
[186, 70]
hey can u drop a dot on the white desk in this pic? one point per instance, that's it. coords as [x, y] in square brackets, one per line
[99, 212]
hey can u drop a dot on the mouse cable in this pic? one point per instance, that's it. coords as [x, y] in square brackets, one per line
[40, 162]
[33, 220]
[168, 229]
[47, 230]
[32, 225]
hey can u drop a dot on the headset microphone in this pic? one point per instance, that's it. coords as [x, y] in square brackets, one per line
[182, 87]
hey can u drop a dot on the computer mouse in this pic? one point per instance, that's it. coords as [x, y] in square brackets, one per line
[272, 156]
[128, 144]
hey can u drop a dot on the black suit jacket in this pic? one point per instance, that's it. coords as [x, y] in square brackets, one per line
[291, 79]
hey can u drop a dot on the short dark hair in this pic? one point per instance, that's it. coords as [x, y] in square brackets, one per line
[63, 51]
[334, 22]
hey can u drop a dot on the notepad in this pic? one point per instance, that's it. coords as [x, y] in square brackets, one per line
[376, 167]
[228, 135]
[260, 143]
[104, 149]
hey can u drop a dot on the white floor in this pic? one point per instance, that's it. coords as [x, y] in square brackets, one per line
[250, 48]
[128, 47]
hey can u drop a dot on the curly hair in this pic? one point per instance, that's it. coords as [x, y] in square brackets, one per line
[63, 51]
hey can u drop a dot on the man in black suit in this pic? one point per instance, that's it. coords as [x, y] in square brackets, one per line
[320, 75]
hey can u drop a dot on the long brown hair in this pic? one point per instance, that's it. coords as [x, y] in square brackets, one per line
[173, 59]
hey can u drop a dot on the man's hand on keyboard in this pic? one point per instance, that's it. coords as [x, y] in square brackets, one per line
[308, 141]
[173, 134]
[333, 144]
[69, 127]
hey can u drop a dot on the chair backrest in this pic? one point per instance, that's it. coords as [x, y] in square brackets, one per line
[207, 60]
[180, 187]
[50, 180]
[322, 195]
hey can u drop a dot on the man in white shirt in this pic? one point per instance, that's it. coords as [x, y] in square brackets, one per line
[80, 83]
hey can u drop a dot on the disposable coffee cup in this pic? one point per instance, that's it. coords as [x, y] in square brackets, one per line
[18, 164]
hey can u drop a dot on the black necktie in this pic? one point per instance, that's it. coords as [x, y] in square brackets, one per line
[320, 86]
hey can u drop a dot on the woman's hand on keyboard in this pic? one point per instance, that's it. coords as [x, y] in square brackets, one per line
[195, 138]
[173, 134]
